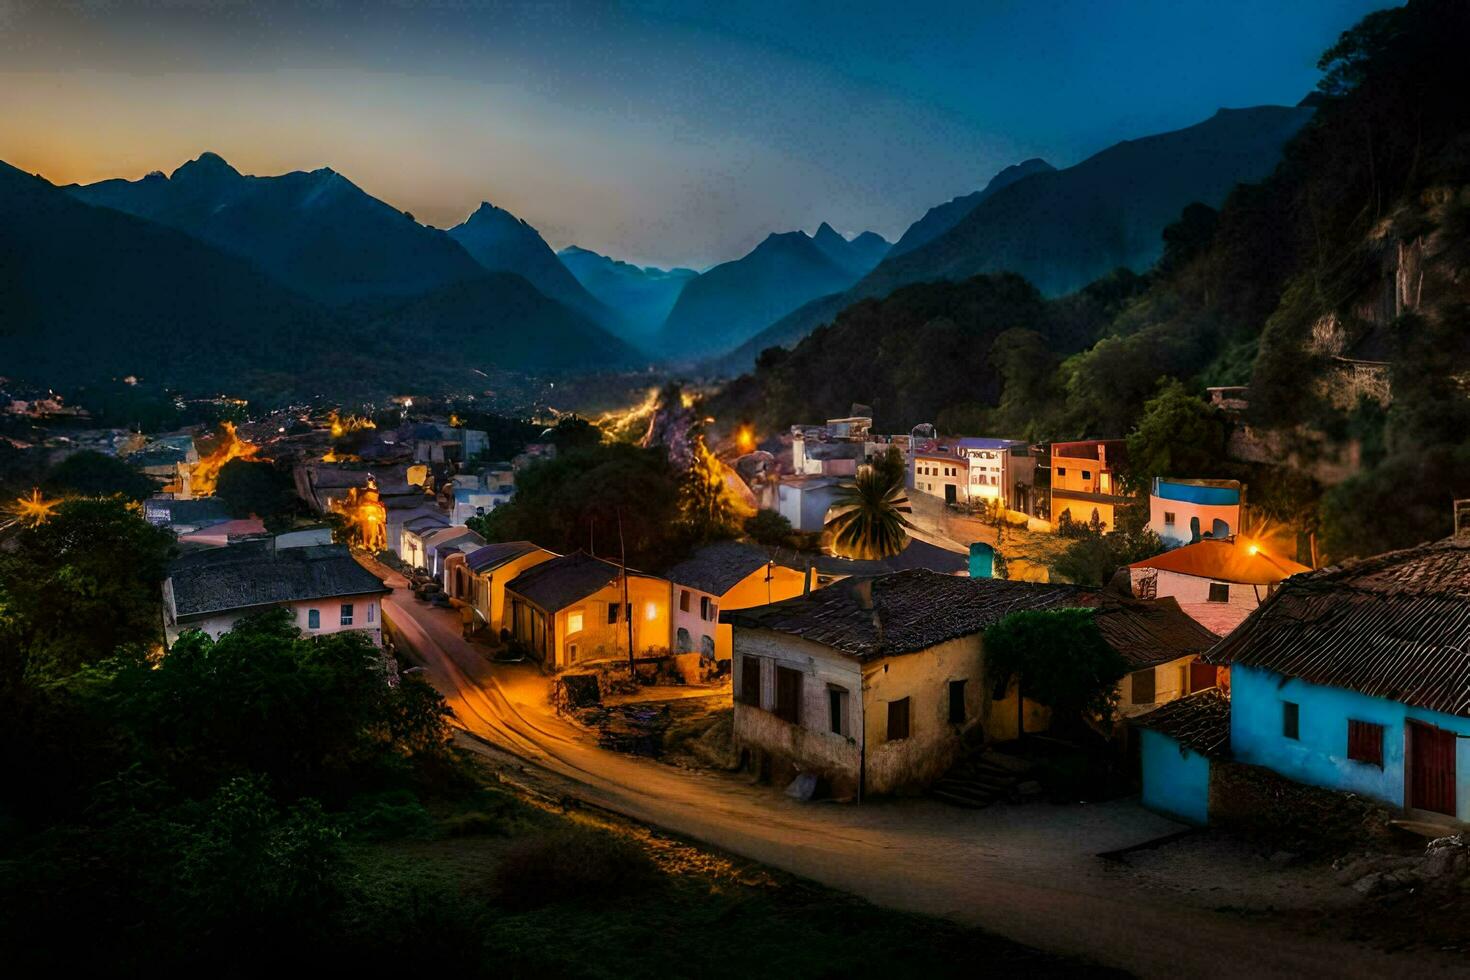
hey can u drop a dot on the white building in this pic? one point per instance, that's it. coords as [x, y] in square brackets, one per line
[1186, 511]
[1218, 583]
[323, 586]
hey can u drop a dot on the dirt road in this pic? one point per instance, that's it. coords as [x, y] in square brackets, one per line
[1027, 872]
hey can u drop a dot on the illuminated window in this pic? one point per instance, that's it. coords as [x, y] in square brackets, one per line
[574, 621]
[650, 611]
[346, 614]
[313, 619]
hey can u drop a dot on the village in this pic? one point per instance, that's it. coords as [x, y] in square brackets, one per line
[1309, 715]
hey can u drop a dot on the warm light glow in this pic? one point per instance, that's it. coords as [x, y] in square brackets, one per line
[745, 439]
[366, 517]
[343, 424]
[651, 611]
[205, 473]
[35, 510]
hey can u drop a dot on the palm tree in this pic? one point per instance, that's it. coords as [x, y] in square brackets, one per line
[869, 519]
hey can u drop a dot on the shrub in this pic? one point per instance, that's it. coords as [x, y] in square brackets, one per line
[570, 864]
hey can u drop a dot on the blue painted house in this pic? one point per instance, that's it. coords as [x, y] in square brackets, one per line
[1177, 743]
[1185, 511]
[1357, 678]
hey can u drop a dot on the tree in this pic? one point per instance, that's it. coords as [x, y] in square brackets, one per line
[769, 528]
[256, 488]
[575, 432]
[91, 474]
[1178, 435]
[870, 522]
[705, 504]
[80, 586]
[1094, 558]
[1060, 659]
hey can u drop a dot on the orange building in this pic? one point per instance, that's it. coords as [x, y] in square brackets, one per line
[1084, 482]
[571, 610]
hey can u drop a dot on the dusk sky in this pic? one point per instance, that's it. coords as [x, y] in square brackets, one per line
[660, 132]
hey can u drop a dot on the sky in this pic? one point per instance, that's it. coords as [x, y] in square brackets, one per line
[662, 132]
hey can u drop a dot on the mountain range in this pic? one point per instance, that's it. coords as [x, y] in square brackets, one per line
[730, 302]
[1061, 229]
[644, 295]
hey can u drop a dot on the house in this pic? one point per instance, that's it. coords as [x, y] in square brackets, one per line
[1186, 511]
[1357, 678]
[412, 547]
[873, 684]
[1176, 745]
[399, 512]
[490, 568]
[323, 586]
[184, 516]
[1161, 645]
[1084, 481]
[226, 533]
[837, 448]
[571, 610]
[805, 500]
[973, 470]
[726, 575]
[476, 495]
[1218, 583]
[439, 544]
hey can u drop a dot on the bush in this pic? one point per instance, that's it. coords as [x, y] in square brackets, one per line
[570, 864]
[768, 527]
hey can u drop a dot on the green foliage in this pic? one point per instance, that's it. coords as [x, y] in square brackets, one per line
[79, 587]
[575, 432]
[575, 501]
[1093, 558]
[1061, 660]
[870, 520]
[705, 506]
[1179, 435]
[768, 527]
[575, 863]
[91, 474]
[251, 488]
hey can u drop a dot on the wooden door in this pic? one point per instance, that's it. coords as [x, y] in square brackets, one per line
[1201, 676]
[1432, 769]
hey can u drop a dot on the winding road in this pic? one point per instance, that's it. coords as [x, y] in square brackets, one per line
[1030, 873]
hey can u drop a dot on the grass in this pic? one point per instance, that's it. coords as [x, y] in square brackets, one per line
[548, 894]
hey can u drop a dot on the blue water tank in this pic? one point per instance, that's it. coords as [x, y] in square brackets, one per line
[982, 560]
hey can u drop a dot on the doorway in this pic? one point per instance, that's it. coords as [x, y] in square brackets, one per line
[1431, 768]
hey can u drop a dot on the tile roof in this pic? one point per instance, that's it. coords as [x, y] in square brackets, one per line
[918, 554]
[717, 568]
[1394, 626]
[1200, 721]
[556, 584]
[1148, 632]
[250, 575]
[910, 611]
[492, 556]
[1225, 561]
[450, 537]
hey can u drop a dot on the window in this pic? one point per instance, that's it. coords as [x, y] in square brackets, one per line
[612, 613]
[1169, 518]
[346, 614]
[707, 646]
[313, 619]
[704, 608]
[1290, 719]
[956, 702]
[1219, 592]
[898, 719]
[750, 681]
[683, 600]
[837, 709]
[574, 621]
[1061, 471]
[1365, 742]
[1143, 686]
[788, 695]
[372, 613]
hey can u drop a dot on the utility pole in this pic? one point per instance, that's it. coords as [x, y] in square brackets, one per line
[627, 606]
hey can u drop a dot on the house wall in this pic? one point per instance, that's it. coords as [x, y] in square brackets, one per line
[366, 617]
[942, 471]
[1176, 779]
[691, 622]
[933, 742]
[600, 640]
[805, 507]
[1179, 533]
[1080, 510]
[753, 590]
[489, 592]
[1171, 682]
[1319, 756]
[810, 745]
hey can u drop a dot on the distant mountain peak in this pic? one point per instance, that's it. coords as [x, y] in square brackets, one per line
[206, 165]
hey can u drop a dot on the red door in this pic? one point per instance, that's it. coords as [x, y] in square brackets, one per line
[1432, 769]
[1201, 676]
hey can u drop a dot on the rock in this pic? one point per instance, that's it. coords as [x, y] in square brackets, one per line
[1354, 870]
[803, 787]
[1374, 883]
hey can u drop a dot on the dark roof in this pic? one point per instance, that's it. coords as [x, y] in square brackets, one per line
[1395, 626]
[198, 510]
[492, 556]
[717, 568]
[254, 574]
[1200, 721]
[426, 523]
[558, 583]
[1148, 632]
[909, 611]
[918, 554]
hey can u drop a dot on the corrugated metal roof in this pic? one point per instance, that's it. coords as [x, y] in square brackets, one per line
[1395, 626]
[1200, 721]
